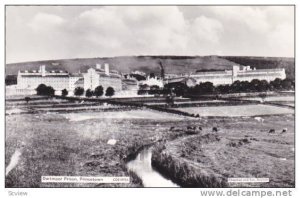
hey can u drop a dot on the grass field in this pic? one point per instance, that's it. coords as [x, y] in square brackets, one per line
[238, 110]
[242, 148]
[273, 98]
[76, 144]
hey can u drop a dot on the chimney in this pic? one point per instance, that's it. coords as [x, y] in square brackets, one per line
[235, 70]
[106, 68]
[43, 70]
[98, 66]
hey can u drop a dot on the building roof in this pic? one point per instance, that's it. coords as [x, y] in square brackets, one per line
[76, 75]
[180, 80]
[79, 82]
[110, 75]
[39, 75]
[211, 77]
[255, 75]
[47, 72]
[129, 81]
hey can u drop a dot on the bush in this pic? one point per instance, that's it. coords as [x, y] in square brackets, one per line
[179, 89]
[27, 99]
[98, 91]
[89, 93]
[44, 90]
[64, 92]
[154, 87]
[202, 89]
[110, 92]
[144, 87]
[78, 91]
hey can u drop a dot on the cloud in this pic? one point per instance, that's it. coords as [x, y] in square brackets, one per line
[146, 30]
[44, 21]
[70, 32]
[205, 29]
[251, 17]
[281, 40]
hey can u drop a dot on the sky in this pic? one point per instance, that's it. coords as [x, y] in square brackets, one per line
[60, 32]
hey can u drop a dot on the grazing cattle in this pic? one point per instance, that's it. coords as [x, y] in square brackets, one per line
[272, 131]
[259, 119]
[284, 130]
[189, 127]
[200, 128]
[214, 129]
[172, 128]
[111, 141]
[191, 130]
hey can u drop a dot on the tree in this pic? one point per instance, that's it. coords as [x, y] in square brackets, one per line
[138, 77]
[204, 88]
[64, 92]
[110, 91]
[154, 87]
[264, 85]
[89, 93]
[287, 84]
[245, 86]
[152, 75]
[277, 84]
[41, 89]
[50, 91]
[236, 86]
[27, 99]
[78, 91]
[263, 97]
[223, 89]
[170, 100]
[144, 87]
[98, 91]
[44, 90]
[179, 88]
[255, 85]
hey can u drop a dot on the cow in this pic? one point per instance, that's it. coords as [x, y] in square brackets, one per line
[284, 130]
[272, 131]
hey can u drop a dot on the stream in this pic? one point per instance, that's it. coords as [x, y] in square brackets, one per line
[141, 166]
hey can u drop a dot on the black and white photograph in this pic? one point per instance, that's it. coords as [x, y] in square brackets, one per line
[149, 96]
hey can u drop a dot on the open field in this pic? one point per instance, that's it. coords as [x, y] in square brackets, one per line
[76, 144]
[273, 98]
[238, 110]
[242, 148]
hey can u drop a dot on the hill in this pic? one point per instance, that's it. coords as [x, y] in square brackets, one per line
[148, 64]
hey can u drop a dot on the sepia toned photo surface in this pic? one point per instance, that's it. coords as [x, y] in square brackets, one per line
[149, 96]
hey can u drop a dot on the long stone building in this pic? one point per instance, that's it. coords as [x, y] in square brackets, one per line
[102, 76]
[58, 79]
[241, 73]
[29, 80]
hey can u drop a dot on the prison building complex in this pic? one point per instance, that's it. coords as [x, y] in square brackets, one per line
[102, 76]
[245, 74]
[58, 79]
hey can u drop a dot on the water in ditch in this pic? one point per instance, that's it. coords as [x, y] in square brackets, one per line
[141, 166]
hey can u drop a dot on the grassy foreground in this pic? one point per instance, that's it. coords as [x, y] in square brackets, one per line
[243, 148]
[76, 144]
